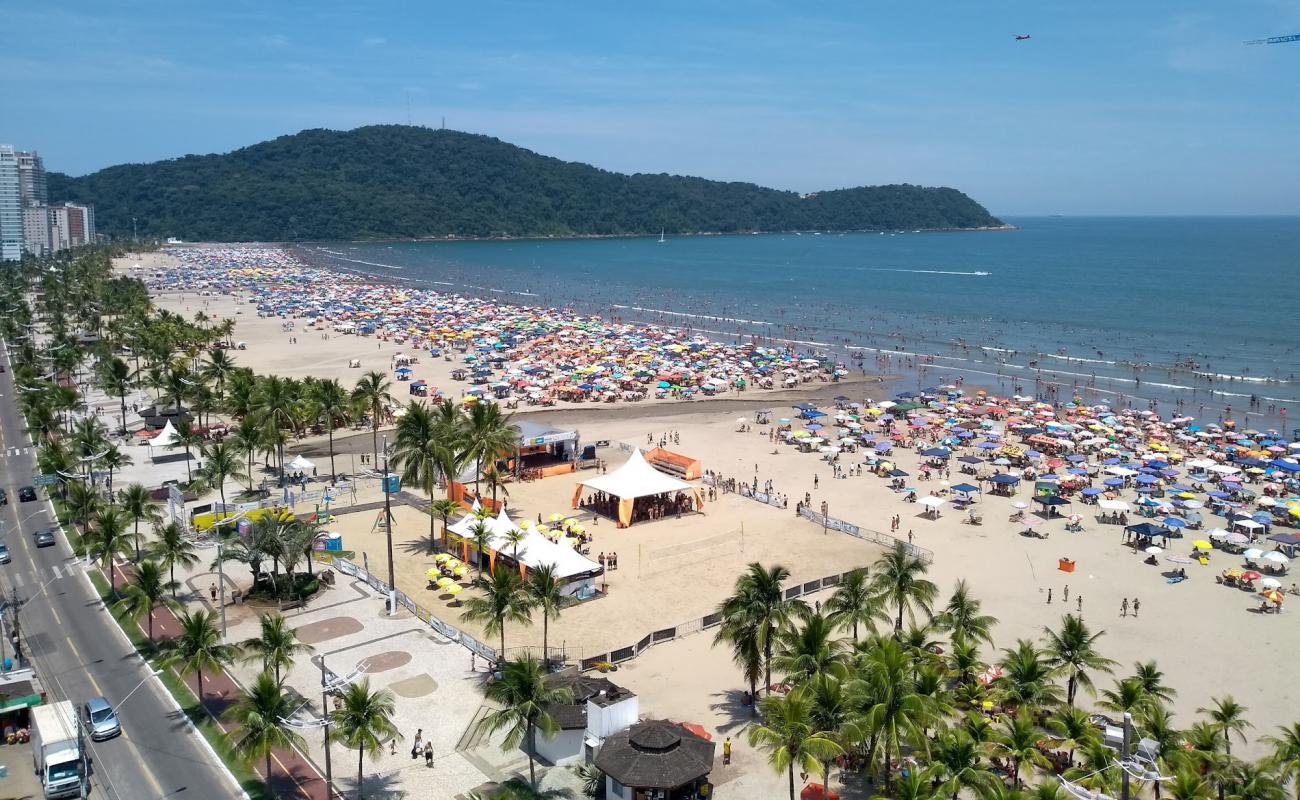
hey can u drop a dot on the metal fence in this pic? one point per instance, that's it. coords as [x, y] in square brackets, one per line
[421, 613]
[621, 654]
[746, 490]
[866, 534]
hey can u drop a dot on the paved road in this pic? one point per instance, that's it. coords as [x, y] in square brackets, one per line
[79, 654]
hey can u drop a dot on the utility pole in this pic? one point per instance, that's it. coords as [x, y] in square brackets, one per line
[221, 582]
[388, 530]
[1123, 756]
[325, 713]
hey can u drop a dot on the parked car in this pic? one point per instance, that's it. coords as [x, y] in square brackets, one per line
[101, 720]
[4, 498]
[44, 537]
[27, 494]
[4, 555]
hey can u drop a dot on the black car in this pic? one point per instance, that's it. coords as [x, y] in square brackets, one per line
[27, 494]
[44, 537]
[4, 498]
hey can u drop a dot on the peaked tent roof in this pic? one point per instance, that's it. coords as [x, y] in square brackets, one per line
[165, 438]
[635, 478]
[535, 550]
[300, 463]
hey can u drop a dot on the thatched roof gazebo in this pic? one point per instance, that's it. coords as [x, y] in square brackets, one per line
[656, 754]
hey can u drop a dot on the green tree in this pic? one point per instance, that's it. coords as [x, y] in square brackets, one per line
[759, 601]
[217, 369]
[187, 440]
[1071, 728]
[1285, 756]
[488, 434]
[1073, 650]
[788, 736]
[364, 721]
[543, 589]
[443, 509]
[809, 649]
[900, 581]
[110, 538]
[372, 392]
[524, 702]
[275, 647]
[138, 504]
[854, 603]
[893, 711]
[1229, 717]
[146, 591]
[1027, 677]
[172, 549]
[332, 405]
[502, 599]
[198, 647]
[962, 617]
[115, 380]
[259, 717]
[958, 759]
[1019, 737]
[416, 449]
[221, 462]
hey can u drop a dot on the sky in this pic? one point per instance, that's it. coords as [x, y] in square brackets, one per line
[1111, 108]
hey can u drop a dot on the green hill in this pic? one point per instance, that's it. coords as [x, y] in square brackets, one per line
[396, 181]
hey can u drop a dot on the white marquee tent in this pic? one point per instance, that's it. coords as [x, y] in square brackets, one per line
[636, 478]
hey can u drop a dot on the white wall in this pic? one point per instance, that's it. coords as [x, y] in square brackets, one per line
[605, 722]
[564, 748]
[612, 788]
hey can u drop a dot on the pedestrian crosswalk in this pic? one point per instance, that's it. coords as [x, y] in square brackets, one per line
[10, 452]
[43, 575]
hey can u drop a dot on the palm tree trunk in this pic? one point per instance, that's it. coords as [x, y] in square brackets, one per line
[767, 663]
[333, 473]
[171, 572]
[1071, 688]
[198, 685]
[361, 755]
[889, 773]
[123, 412]
[532, 738]
[188, 477]
[268, 766]
[546, 624]
[898, 620]
[790, 770]
[503, 638]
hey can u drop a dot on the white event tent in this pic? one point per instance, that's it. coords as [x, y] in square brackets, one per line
[534, 550]
[635, 479]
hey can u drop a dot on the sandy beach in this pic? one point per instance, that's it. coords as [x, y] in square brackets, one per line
[1208, 638]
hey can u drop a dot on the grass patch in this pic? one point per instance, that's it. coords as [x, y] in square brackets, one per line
[69, 530]
[184, 696]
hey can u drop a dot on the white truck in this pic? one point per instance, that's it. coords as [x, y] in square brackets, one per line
[56, 750]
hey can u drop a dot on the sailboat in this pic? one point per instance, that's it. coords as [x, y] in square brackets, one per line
[661, 236]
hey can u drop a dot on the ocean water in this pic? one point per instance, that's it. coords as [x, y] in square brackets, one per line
[1197, 311]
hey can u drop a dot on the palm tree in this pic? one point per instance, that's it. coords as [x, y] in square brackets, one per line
[810, 649]
[854, 603]
[83, 503]
[1229, 717]
[1157, 726]
[198, 647]
[443, 508]
[742, 634]
[488, 434]
[481, 535]
[1153, 682]
[1253, 782]
[275, 647]
[1128, 697]
[497, 481]
[138, 504]
[115, 380]
[415, 452]
[1073, 650]
[187, 439]
[543, 590]
[333, 405]
[221, 462]
[759, 600]
[1027, 677]
[372, 391]
[109, 538]
[964, 659]
[900, 582]
[833, 714]
[787, 734]
[276, 404]
[172, 549]
[917, 784]
[112, 460]
[1072, 728]
[1285, 758]
[894, 713]
[259, 719]
[147, 591]
[503, 600]
[1019, 736]
[524, 703]
[246, 437]
[962, 617]
[364, 721]
[958, 759]
[1187, 784]
[217, 369]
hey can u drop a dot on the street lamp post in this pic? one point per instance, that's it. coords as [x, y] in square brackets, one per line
[388, 529]
[325, 714]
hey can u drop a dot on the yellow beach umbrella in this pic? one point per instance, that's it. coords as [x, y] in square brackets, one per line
[444, 582]
[452, 563]
[556, 517]
[432, 574]
[460, 571]
[1201, 544]
[1232, 572]
[1272, 595]
[441, 558]
[455, 590]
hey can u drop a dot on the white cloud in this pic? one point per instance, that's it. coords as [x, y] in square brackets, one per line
[374, 41]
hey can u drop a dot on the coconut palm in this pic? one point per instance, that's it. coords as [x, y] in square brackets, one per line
[1153, 682]
[759, 600]
[416, 449]
[332, 405]
[172, 549]
[1157, 727]
[1071, 729]
[524, 702]
[259, 718]
[276, 403]
[138, 504]
[83, 503]
[962, 617]
[110, 538]
[1249, 781]
[146, 591]
[371, 391]
[198, 647]
[115, 380]
[217, 370]
[480, 534]
[964, 659]
[1187, 784]
[543, 590]
[958, 759]
[112, 460]
[810, 648]
[221, 462]
[1019, 737]
[246, 437]
[854, 603]
[1285, 758]
[275, 647]
[742, 634]
[900, 581]
[1027, 677]
[917, 784]
[443, 508]
[487, 435]
[364, 721]
[1128, 697]
[1229, 717]
[502, 599]
[788, 735]
[188, 440]
[892, 710]
[1073, 650]
[497, 481]
[833, 714]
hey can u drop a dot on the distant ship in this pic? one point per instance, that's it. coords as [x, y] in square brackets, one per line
[661, 236]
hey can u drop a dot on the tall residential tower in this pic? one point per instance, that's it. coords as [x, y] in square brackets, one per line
[11, 207]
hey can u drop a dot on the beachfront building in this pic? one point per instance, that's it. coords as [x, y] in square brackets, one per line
[576, 572]
[600, 709]
[544, 451]
[11, 208]
[37, 231]
[657, 758]
[32, 186]
[637, 491]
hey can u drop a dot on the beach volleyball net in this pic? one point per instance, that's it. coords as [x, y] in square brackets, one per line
[665, 558]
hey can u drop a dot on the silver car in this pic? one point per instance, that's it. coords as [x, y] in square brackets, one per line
[101, 719]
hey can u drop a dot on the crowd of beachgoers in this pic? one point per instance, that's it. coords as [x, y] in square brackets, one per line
[509, 352]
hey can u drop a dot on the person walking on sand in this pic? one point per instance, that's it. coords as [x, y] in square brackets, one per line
[1136, 604]
[1067, 593]
[726, 752]
[212, 590]
[1123, 607]
[1079, 599]
[428, 754]
[1049, 595]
